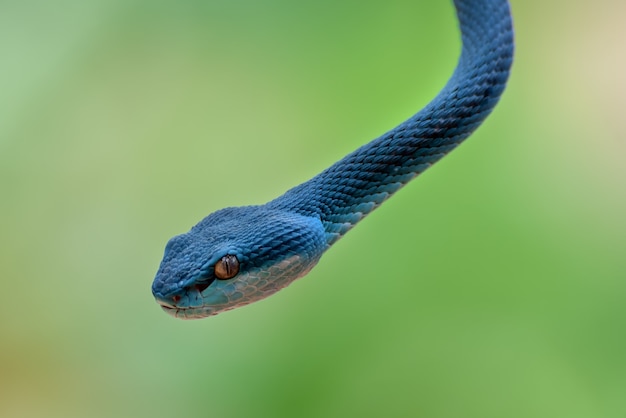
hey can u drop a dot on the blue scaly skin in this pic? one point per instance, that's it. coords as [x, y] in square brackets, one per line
[236, 256]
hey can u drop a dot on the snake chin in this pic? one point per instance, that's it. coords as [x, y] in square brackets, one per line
[187, 313]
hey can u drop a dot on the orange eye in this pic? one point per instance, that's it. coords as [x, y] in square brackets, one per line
[227, 267]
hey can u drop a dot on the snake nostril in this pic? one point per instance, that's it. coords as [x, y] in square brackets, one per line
[176, 298]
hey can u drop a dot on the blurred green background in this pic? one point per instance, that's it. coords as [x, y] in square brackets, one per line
[493, 286]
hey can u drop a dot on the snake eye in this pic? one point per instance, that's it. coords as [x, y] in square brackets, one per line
[227, 267]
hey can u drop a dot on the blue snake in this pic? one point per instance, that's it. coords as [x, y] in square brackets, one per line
[239, 255]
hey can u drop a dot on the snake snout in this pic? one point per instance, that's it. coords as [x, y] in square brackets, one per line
[184, 297]
[167, 302]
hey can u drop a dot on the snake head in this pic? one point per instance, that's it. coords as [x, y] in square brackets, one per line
[234, 257]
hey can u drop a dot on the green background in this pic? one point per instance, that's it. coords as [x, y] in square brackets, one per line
[492, 286]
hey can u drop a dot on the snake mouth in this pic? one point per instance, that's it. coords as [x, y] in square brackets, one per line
[175, 312]
[170, 309]
[187, 313]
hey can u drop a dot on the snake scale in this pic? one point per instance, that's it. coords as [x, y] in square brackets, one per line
[239, 255]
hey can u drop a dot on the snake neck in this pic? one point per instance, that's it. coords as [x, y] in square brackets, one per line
[350, 189]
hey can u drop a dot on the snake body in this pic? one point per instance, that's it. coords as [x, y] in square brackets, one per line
[239, 255]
